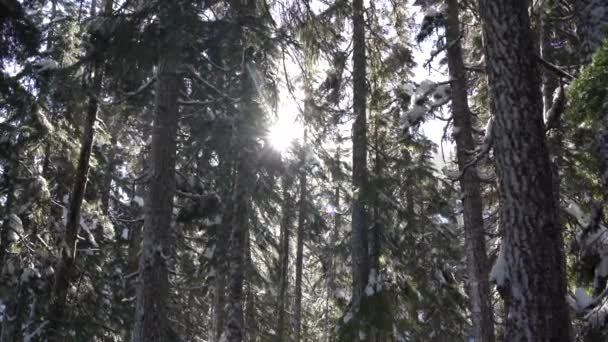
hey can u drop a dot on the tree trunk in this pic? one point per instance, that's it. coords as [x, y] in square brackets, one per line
[359, 250]
[302, 221]
[234, 326]
[14, 313]
[10, 323]
[13, 308]
[251, 326]
[378, 210]
[151, 311]
[219, 282]
[11, 174]
[332, 244]
[286, 223]
[133, 255]
[222, 234]
[529, 213]
[477, 264]
[108, 173]
[234, 330]
[68, 247]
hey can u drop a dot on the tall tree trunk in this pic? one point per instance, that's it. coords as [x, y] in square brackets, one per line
[219, 260]
[302, 223]
[378, 211]
[359, 250]
[549, 81]
[106, 187]
[222, 235]
[11, 174]
[151, 311]
[133, 255]
[13, 307]
[68, 248]
[234, 329]
[477, 263]
[286, 222]
[332, 244]
[533, 242]
[251, 326]
[234, 326]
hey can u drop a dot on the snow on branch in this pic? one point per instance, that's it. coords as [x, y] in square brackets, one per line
[425, 98]
[556, 110]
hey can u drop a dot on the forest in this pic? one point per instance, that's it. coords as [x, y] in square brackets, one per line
[304, 170]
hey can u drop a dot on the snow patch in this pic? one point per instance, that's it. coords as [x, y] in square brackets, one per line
[499, 274]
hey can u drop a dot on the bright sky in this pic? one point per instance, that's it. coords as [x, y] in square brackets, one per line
[286, 129]
[432, 128]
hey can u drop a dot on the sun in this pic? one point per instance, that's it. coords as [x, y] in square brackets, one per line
[282, 134]
[286, 128]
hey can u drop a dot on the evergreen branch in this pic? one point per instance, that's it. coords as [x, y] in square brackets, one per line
[198, 77]
[131, 94]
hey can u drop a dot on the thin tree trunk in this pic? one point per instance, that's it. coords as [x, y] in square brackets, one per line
[332, 244]
[11, 179]
[477, 263]
[377, 230]
[251, 327]
[302, 223]
[359, 250]
[219, 283]
[529, 213]
[68, 248]
[133, 255]
[151, 311]
[234, 330]
[106, 187]
[549, 81]
[286, 222]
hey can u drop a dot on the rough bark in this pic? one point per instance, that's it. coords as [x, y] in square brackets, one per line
[68, 247]
[286, 223]
[533, 241]
[477, 265]
[151, 311]
[359, 249]
[302, 222]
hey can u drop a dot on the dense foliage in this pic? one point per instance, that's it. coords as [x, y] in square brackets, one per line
[187, 171]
